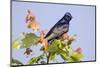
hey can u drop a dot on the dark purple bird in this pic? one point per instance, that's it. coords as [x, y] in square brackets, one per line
[61, 27]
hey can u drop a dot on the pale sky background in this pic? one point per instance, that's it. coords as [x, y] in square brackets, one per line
[82, 24]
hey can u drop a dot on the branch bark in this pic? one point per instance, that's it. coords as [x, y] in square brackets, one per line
[48, 58]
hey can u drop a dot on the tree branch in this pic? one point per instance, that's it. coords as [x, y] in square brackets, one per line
[48, 58]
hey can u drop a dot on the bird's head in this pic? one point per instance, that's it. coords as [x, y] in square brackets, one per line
[68, 16]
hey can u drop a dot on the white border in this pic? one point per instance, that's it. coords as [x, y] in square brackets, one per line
[5, 32]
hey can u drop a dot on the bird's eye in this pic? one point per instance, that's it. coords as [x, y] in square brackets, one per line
[68, 18]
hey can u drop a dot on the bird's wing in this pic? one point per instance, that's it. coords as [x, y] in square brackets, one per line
[61, 29]
[51, 30]
[57, 31]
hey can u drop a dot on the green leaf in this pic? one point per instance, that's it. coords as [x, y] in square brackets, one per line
[54, 46]
[39, 58]
[52, 56]
[65, 56]
[32, 60]
[62, 44]
[60, 48]
[35, 59]
[29, 40]
[77, 56]
[16, 44]
[15, 61]
[43, 62]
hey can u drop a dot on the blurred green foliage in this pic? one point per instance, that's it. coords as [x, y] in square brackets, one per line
[35, 60]
[16, 62]
[29, 40]
[55, 48]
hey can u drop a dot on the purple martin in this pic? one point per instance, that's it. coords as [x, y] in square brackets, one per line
[61, 27]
